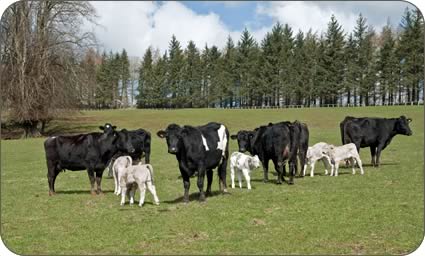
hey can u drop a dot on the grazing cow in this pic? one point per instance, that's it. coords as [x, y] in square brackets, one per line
[315, 153]
[375, 133]
[119, 168]
[277, 142]
[243, 165]
[199, 149]
[90, 152]
[347, 151]
[137, 176]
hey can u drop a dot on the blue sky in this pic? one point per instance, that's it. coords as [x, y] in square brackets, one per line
[136, 26]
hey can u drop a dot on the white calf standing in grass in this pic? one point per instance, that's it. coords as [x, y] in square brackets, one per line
[138, 176]
[316, 153]
[118, 169]
[244, 165]
[348, 151]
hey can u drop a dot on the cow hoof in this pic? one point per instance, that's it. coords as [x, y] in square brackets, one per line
[156, 203]
[100, 193]
[290, 182]
[278, 182]
[93, 193]
[52, 193]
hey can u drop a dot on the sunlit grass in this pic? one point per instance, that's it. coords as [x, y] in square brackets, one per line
[378, 213]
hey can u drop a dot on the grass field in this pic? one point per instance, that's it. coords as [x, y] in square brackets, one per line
[381, 212]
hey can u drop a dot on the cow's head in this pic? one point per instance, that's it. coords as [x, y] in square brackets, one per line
[254, 161]
[244, 140]
[123, 141]
[108, 128]
[402, 126]
[173, 135]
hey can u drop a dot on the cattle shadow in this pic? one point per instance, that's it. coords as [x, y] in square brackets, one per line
[79, 192]
[194, 197]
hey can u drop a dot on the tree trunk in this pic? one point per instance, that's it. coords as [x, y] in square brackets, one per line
[30, 129]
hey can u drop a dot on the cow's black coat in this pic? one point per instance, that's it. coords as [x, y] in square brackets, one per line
[375, 133]
[90, 152]
[279, 142]
[186, 143]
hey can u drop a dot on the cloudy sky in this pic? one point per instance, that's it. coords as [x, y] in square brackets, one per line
[137, 25]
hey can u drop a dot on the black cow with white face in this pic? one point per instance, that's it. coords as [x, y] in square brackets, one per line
[280, 143]
[90, 152]
[199, 150]
[375, 133]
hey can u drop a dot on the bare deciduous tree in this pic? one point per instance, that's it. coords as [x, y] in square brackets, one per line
[40, 46]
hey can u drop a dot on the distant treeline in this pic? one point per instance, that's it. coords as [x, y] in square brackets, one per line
[360, 68]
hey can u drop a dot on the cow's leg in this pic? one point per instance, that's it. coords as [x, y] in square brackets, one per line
[352, 165]
[142, 187]
[240, 178]
[313, 163]
[123, 194]
[304, 169]
[292, 170]
[378, 155]
[222, 175]
[373, 155]
[152, 190]
[132, 192]
[115, 174]
[186, 184]
[266, 170]
[90, 172]
[325, 163]
[279, 165]
[336, 168]
[359, 163]
[247, 177]
[232, 175]
[99, 174]
[201, 178]
[52, 173]
[209, 181]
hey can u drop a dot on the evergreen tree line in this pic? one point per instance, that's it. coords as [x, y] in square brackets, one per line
[287, 68]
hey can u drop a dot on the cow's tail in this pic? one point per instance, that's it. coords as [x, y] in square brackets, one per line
[129, 161]
[150, 168]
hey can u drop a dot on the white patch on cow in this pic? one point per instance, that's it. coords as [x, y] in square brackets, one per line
[204, 141]
[222, 138]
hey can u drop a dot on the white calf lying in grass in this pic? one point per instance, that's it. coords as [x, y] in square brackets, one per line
[244, 165]
[348, 151]
[316, 153]
[138, 176]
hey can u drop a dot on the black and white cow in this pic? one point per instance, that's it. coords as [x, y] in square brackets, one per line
[90, 152]
[199, 150]
[279, 142]
[375, 133]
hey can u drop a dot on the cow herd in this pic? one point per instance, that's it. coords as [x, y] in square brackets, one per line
[200, 149]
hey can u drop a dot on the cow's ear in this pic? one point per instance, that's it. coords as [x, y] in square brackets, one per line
[233, 137]
[102, 128]
[114, 127]
[161, 134]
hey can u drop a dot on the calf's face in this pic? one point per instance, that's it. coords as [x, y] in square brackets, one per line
[172, 134]
[244, 140]
[402, 126]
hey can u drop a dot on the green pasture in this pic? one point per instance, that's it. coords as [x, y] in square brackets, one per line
[381, 212]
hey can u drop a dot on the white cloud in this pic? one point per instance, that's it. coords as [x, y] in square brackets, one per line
[136, 26]
[305, 15]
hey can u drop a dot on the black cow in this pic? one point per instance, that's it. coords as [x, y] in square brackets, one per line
[199, 150]
[279, 142]
[375, 133]
[90, 152]
[141, 142]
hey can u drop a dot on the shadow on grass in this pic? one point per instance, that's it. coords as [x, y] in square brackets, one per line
[71, 192]
[194, 197]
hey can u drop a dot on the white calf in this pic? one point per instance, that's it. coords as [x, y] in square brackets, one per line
[119, 168]
[140, 176]
[244, 165]
[316, 153]
[348, 151]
